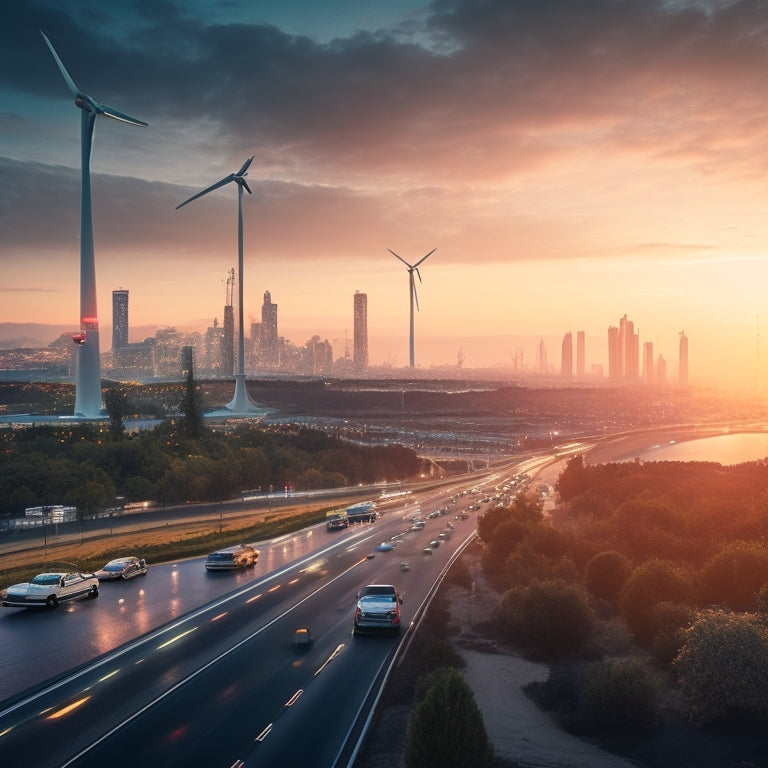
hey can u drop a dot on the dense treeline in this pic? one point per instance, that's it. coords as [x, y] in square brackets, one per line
[646, 572]
[88, 466]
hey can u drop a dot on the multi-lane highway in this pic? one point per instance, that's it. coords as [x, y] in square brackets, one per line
[185, 667]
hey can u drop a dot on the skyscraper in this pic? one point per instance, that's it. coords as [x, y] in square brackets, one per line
[119, 319]
[581, 364]
[360, 352]
[649, 376]
[682, 370]
[623, 352]
[228, 341]
[566, 359]
[614, 362]
[268, 344]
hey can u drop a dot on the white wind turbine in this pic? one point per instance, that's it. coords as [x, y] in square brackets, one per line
[412, 283]
[88, 402]
[240, 403]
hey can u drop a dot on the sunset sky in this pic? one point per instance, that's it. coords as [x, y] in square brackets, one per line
[570, 160]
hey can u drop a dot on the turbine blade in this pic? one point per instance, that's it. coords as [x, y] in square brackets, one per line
[69, 81]
[245, 167]
[424, 258]
[415, 293]
[245, 184]
[115, 115]
[416, 270]
[399, 257]
[218, 184]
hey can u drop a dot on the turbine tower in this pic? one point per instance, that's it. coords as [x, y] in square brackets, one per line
[412, 283]
[240, 403]
[88, 382]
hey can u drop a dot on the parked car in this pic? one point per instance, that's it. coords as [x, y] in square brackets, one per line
[232, 558]
[122, 568]
[377, 609]
[47, 590]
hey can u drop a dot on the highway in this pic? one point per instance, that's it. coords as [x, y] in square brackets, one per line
[161, 671]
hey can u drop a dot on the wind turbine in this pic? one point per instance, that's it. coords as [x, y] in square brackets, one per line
[88, 402]
[240, 403]
[414, 297]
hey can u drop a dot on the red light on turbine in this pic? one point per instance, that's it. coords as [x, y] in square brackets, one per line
[78, 338]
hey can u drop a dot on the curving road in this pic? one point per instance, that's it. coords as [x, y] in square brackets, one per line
[144, 676]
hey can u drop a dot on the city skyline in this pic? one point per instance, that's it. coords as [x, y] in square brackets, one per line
[573, 162]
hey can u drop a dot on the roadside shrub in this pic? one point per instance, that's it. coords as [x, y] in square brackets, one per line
[447, 728]
[612, 638]
[620, 697]
[547, 541]
[653, 582]
[524, 565]
[605, 575]
[762, 601]
[668, 623]
[459, 574]
[490, 520]
[723, 669]
[550, 618]
[440, 653]
[734, 575]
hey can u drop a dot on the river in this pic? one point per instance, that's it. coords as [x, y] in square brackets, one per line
[735, 448]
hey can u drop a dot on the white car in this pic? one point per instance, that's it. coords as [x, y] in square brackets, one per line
[47, 590]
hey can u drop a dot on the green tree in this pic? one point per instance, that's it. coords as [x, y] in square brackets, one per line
[655, 581]
[573, 479]
[733, 577]
[447, 728]
[550, 618]
[605, 575]
[620, 697]
[723, 668]
[116, 404]
[191, 407]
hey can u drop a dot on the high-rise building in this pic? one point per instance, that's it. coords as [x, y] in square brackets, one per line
[228, 342]
[624, 352]
[661, 372]
[566, 358]
[119, 319]
[213, 347]
[581, 365]
[649, 376]
[682, 370]
[360, 333]
[614, 367]
[266, 345]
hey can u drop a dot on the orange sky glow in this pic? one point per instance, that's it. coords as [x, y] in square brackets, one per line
[571, 162]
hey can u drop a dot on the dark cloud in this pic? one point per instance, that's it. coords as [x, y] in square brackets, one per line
[487, 74]
[485, 91]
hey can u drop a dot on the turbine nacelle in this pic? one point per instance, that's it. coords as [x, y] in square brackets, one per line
[238, 178]
[411, 269]
[83, 100]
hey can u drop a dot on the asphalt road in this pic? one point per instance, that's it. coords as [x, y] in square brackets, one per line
[221, 684]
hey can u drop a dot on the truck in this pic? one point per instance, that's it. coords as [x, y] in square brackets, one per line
[377, 609]
[336, 519]
[364, 512]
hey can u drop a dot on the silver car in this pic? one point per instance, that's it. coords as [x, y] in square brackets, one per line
[122, 568]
